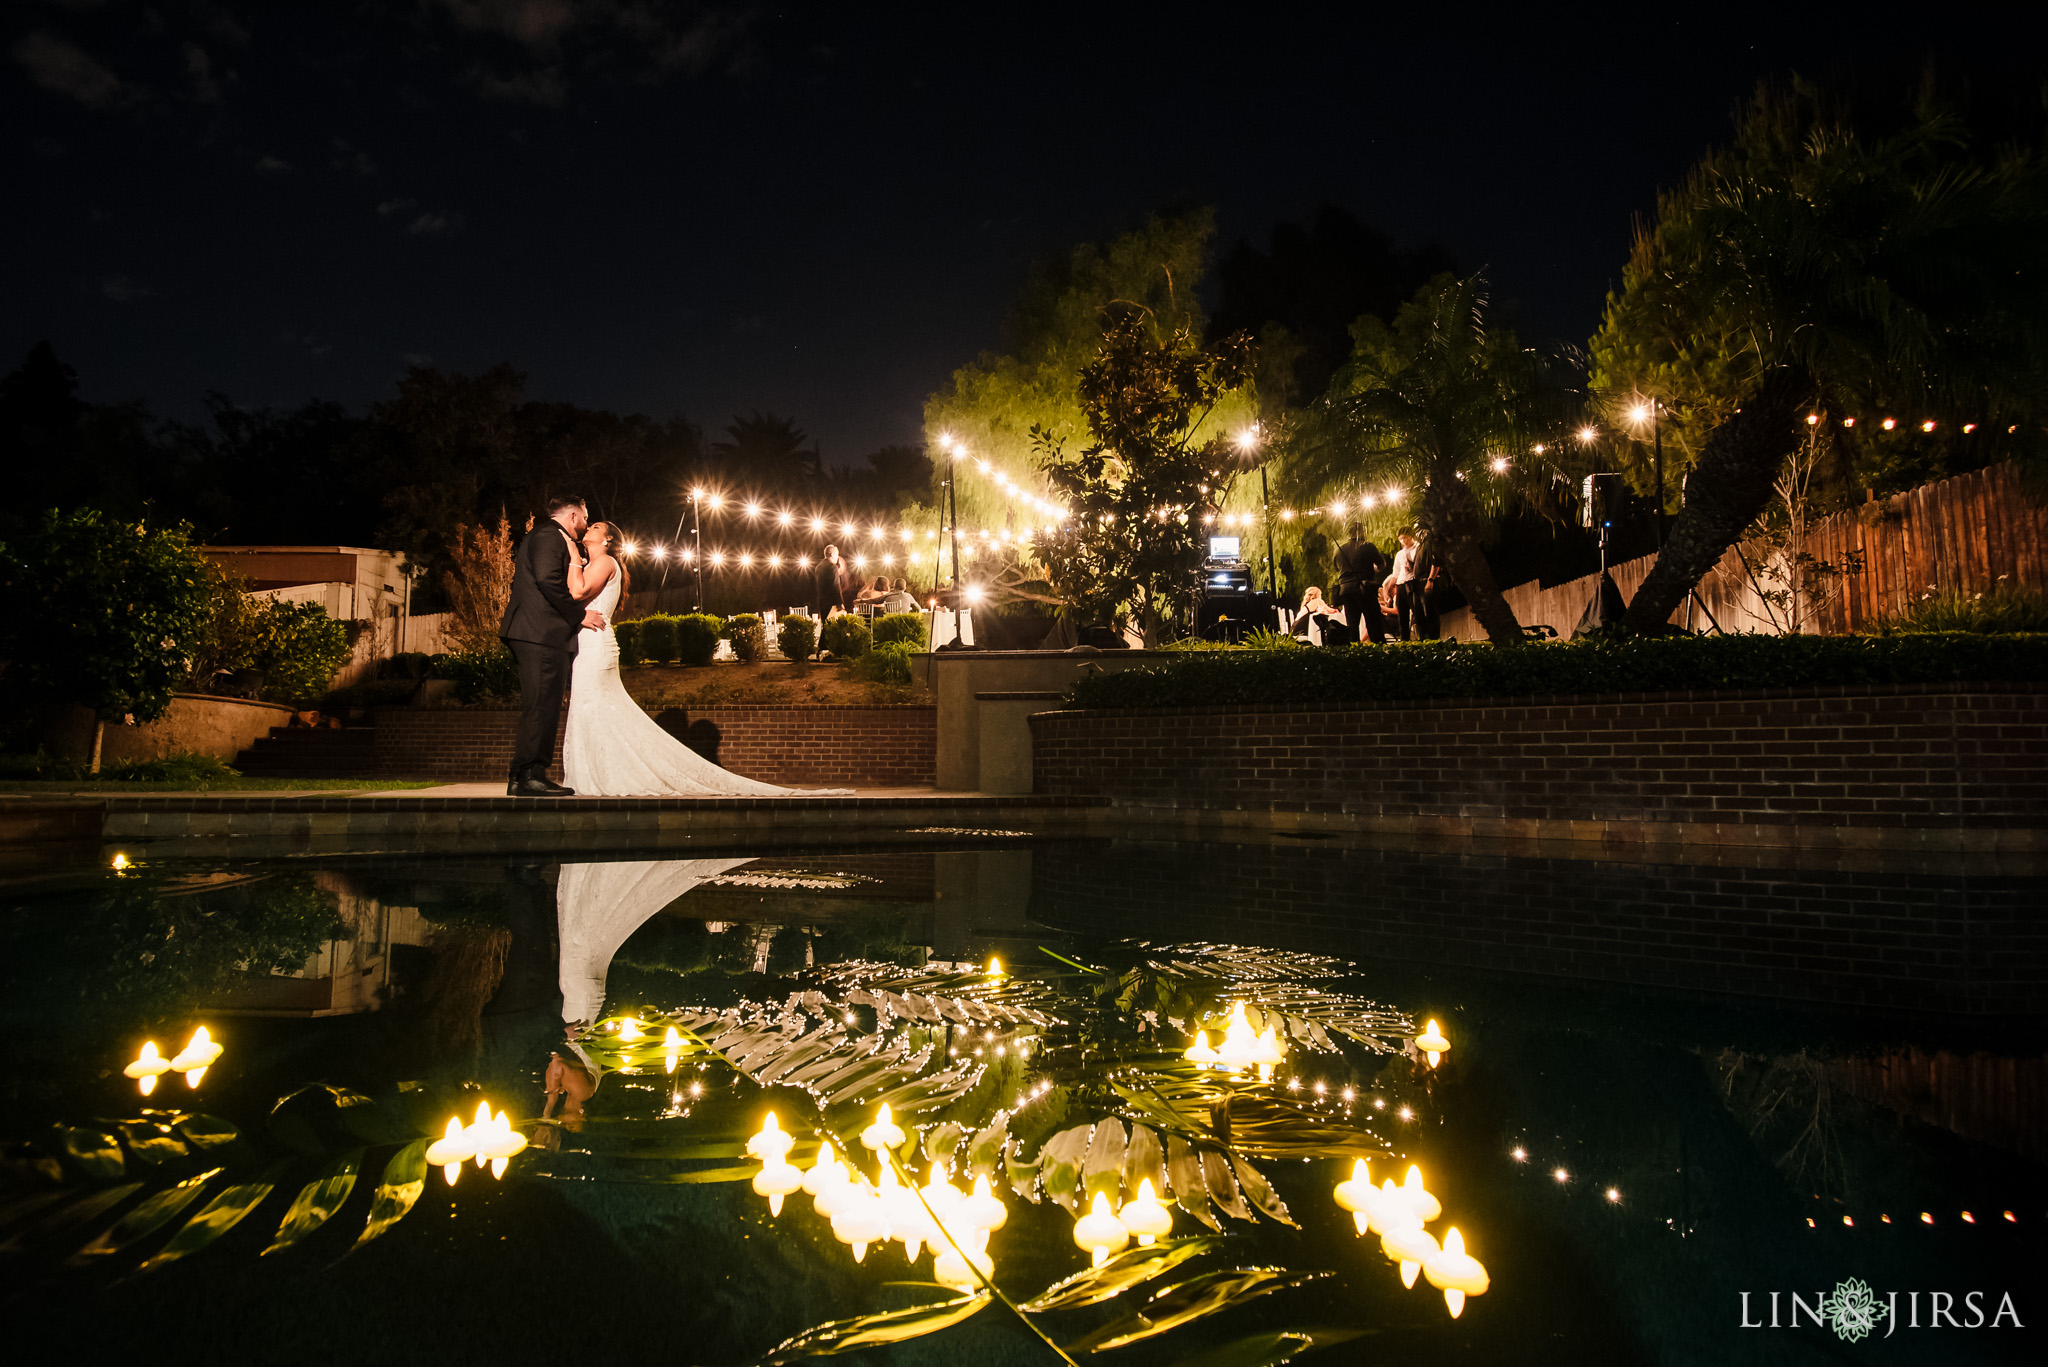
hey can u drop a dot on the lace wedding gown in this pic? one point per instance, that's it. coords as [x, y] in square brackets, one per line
[611, 748]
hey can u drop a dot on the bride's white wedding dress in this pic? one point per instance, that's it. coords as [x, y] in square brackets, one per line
[611, 748]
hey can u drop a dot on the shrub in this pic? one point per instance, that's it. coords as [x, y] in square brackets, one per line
[2004, 609]
[482, 675]
[407, 664]
[631, 651]
[41, 765]
[845, 636]
[104, 612]
[697, 636]
[1369, 674]
[885, 664]
[749, 638]
[299, 648]
[180, 768]
[797, 636]
[901, 626]
[658, 638]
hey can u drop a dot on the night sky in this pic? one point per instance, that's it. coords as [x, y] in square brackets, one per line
[817, 211]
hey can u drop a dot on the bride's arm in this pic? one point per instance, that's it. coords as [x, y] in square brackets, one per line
[587, 581]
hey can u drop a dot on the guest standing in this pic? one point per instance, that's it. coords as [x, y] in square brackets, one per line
[1360, 567]
[1402, 582]
[831, 596]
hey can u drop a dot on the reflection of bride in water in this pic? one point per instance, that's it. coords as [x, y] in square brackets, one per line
[598, 906]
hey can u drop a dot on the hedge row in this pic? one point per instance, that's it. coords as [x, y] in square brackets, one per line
[1365, 674]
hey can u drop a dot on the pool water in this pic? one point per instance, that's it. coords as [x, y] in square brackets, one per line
[1688, 1112]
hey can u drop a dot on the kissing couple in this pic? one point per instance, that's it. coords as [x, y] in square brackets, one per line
[567, 583]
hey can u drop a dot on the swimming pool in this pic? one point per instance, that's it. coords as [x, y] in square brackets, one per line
[1684, 1112]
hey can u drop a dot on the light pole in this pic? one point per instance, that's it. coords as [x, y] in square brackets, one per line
[1648, 410]
[1247, 442]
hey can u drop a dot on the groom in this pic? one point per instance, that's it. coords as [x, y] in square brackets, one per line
[540, 626]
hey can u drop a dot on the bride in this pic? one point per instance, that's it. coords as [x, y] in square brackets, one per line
[610, 747]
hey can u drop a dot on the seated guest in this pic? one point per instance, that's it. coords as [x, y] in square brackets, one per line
[899, 599]
[1317, 615]
[871, 597]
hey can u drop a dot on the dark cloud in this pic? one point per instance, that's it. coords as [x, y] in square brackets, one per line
[273, 165]
[62, 67]
[434, 225]
[347, 157]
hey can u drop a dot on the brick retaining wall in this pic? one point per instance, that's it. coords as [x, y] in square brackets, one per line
[870, 747]
[1878, 756]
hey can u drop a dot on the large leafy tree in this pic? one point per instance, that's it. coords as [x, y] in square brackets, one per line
[107, 613]
[992, 406]
[1135, 494]
[1438, 419]
[1837, 258]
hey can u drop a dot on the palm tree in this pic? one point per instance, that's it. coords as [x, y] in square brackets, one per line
[1811, 268]
[769, 453]
[1444, 403]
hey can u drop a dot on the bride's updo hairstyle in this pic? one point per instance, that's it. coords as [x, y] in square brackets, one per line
[612, 539]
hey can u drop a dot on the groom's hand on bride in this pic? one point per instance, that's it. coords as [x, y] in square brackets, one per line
[593, 621]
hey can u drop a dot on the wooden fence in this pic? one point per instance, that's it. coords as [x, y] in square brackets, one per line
[1964, 534]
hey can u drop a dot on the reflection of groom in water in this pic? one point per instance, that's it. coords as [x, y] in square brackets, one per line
[540, 626]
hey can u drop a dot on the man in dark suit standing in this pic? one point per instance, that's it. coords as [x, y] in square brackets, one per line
[1360, 568]
[539, 628]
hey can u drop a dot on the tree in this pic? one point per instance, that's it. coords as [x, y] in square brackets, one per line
[1445, 405]
[268, 477]
[1839, 257]
[1300, 294]
[299, 648]
[62, 452]
[768, 452]
[1135, 495]
[107, 616]
[993, 405]
[480, 585]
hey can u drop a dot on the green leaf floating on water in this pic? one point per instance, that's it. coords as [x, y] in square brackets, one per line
[218, 1216]
[1269, 1349]
[1196, 1298]
[208, 1132]
[84, 1209]
[703, 1175]
[318, 1200]
[145, 1220]
[97, 1153]
[405, 1178]
[152, 1141]
[873, 1331]
[1120, 1273]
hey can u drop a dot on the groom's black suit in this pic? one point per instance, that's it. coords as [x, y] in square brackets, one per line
[539, 628]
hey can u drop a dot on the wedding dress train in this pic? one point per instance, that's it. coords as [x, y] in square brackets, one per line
[599, 906]
[611, 748]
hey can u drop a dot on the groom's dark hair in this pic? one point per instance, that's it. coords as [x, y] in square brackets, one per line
[561, 501]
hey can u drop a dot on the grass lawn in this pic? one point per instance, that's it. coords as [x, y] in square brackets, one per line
[773, 683]
[58, 786]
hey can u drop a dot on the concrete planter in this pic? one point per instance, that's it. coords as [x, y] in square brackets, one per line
[197, 723]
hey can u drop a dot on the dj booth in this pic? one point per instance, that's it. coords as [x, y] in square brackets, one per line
[1226, 604]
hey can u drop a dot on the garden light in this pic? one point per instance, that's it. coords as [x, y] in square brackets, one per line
[1455, 1272]
[1099, 1233]
[1432, 1044]
[196, 1057]
[1358, 1195]
[885, 1133]
[148, 1067]
[1411, 1246]
[1144, 1217]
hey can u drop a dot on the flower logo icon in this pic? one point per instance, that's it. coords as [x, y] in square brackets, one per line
[1853, 1310]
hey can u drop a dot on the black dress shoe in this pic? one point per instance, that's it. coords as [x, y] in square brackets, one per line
[537, 787]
